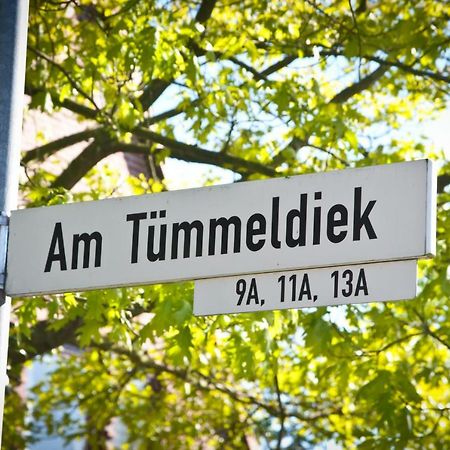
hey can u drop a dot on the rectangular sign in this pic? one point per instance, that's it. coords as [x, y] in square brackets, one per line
[306, 288]
[368, 214]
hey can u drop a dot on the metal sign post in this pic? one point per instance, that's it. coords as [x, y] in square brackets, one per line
[13, 41]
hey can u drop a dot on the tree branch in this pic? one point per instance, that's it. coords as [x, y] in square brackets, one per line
[282, 412]
[205, 11]
[266, 72]
[406, 68]
[42, 152]
[207, 383]
[43, 340]
[103, 147]
[442, 182]
[394, 343]
[278, 65]
[75, 107]
[247, 67]
[329, 152]
[429, 332]
[87, 159]
[193, 153]
[360, 86]
[169, 113]
[435, 336]
[72, 82]
[153, 91]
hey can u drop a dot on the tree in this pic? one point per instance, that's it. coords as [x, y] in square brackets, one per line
[264, 89]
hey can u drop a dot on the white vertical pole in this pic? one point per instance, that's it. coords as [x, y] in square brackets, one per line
[13, 42]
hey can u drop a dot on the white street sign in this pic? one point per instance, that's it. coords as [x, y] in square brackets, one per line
[306, 288]
[345, 217]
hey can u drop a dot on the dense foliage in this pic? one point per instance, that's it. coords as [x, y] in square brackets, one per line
[264, 89]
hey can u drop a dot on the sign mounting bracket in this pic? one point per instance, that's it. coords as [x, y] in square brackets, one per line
[4, 231]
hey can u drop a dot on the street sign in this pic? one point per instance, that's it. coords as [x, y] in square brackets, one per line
[354, 216]
[306, 288]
